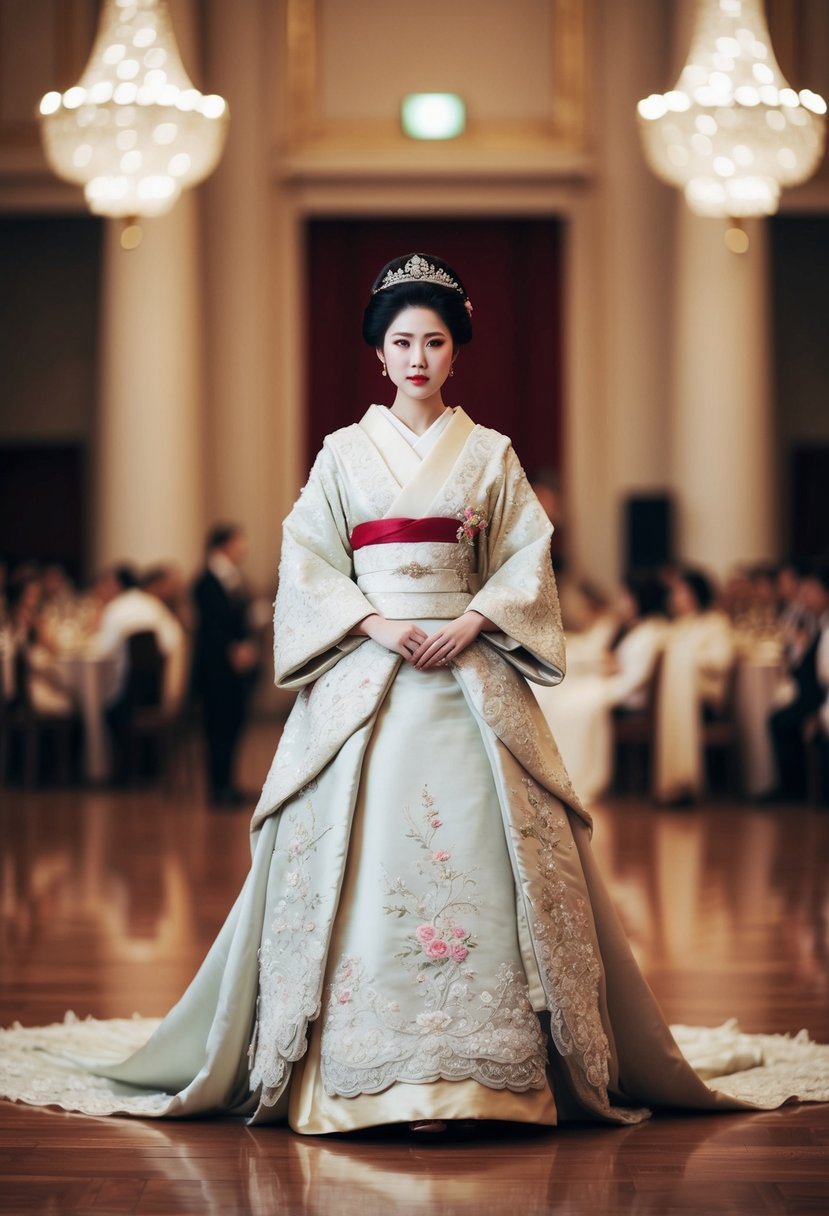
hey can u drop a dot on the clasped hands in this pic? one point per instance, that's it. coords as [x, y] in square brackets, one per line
[424, 650]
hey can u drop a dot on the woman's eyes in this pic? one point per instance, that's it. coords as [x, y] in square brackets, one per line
[437, 342]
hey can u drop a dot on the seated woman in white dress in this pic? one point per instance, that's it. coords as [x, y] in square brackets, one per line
[700, 651]
[580, 711]
[423, 935]
[27, 638]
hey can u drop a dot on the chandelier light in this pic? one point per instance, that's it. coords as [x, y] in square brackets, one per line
[732, 132]
[133, 131]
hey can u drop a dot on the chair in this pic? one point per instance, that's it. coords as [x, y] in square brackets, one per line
[143, 717]
[20, 717]
[720, 733]
[633, 738]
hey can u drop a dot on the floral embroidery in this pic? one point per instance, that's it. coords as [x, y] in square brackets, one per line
[491, 1035]
[569, 967]
[290, 959]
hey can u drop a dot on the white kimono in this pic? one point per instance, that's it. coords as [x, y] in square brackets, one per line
[421, 886]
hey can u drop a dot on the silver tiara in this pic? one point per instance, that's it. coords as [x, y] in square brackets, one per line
[418, 270]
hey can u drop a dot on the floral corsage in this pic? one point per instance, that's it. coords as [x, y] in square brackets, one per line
[473, 523]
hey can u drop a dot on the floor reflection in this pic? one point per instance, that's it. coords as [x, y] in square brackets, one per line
[110, 900]
[728, 890]
[215, 1169]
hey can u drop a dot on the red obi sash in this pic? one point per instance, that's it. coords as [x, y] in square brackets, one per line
[440, 528]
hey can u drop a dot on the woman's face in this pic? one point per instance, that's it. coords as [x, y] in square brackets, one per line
[418, 353]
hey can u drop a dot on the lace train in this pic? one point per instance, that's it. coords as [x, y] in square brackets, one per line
[42, 1065]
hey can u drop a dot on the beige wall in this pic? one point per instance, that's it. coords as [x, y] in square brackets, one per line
[314, 133]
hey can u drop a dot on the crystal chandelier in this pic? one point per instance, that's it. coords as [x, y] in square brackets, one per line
[732, 132]
[133, 131]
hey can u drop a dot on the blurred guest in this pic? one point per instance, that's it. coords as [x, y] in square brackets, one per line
[127, 610]
[796, 622]
[580, 710]
[593, 628]
[808, 687]
[27, 639]
[225, 658]
[167, 585]
[642, 611]
[698, 658]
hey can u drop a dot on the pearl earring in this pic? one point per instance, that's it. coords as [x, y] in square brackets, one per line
[451, 371]
[384, 372]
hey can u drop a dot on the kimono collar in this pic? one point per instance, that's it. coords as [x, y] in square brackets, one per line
[419, 480]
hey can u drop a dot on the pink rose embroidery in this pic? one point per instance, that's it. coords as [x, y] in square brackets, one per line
[458, 931]
[344, 997]
[459, 953]
[437, 948]
[440, 855]
[425, 933]
[437, 823]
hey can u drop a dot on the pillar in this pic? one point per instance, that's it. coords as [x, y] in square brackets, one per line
[148, 450]
[721, 451]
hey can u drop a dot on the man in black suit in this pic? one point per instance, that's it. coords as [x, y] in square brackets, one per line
[224, 657]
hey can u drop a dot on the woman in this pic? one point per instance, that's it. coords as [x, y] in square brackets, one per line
[580, 712]
[421, 911]
[700, 653]
[29, 638]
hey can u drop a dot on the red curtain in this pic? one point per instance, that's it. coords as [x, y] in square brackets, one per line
[509, 377]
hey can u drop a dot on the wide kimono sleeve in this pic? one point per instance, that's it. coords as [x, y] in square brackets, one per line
[318, 602]
[518, 591]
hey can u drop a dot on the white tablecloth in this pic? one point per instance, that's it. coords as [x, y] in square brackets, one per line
[91, 680]
[759, 675]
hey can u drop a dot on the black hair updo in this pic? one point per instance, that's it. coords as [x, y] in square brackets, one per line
[449, 303]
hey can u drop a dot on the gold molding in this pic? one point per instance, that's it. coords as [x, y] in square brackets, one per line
[562, 131]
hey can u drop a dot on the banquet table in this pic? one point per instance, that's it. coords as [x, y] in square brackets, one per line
[91, 679]
[760, 672]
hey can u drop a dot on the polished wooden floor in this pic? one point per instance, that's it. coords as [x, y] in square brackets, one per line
[109, 901]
